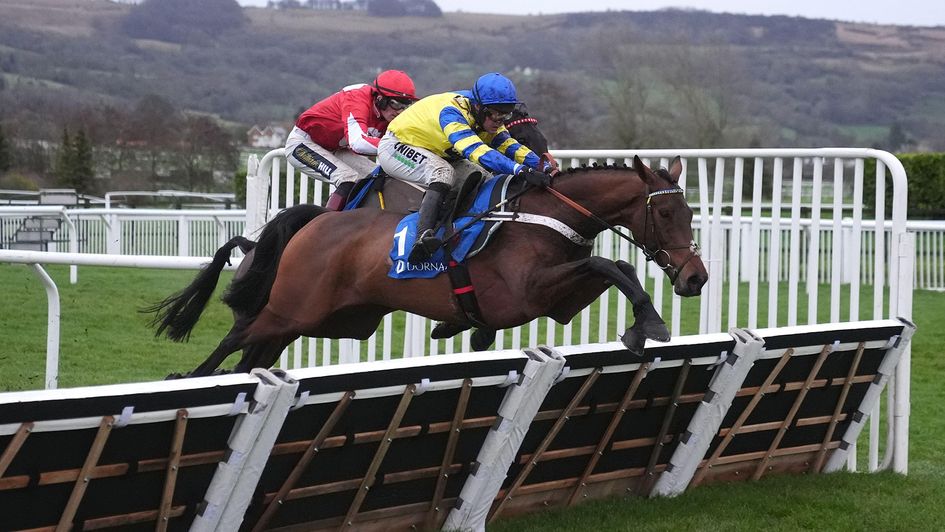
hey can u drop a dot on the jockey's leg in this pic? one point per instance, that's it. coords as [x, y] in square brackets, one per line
[339, 197]
[430, 208]
[353, 168]
[425, 168]
[322, 164]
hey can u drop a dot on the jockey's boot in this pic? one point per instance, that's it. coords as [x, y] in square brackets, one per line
[339, 197]
[427, 243]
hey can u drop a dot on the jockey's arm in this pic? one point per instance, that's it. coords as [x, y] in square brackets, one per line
[511, 148]
[355, 114]
[472, 147]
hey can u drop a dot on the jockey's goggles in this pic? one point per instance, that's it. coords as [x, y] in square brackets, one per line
[498, 114]
[398, 104]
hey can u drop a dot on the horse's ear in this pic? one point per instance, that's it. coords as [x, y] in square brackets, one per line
[643, 171]
[675, 169]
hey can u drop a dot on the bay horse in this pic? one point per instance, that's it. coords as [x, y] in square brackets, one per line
[398, 196]
[330, 278]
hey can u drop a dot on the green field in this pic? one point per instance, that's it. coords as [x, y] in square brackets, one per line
[106, 340]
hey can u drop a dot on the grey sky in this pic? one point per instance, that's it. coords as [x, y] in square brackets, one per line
[907, 12]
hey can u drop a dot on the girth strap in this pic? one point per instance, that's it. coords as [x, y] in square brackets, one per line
[463, 289]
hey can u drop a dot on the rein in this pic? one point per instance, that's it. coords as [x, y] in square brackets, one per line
[671, 271]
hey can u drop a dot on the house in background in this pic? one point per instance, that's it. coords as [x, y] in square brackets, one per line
[270, 136]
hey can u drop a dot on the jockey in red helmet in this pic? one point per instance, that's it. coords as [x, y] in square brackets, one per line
[451, 135]
[333, 139]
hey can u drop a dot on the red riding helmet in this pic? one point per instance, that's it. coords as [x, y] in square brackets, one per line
[395, 84]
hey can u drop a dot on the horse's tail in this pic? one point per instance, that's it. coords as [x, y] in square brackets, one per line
[248, 294]
[177, 315]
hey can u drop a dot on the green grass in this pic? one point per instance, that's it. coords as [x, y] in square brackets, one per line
[104, 337]
[106, 340]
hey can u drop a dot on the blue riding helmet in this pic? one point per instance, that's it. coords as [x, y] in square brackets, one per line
[494, 89]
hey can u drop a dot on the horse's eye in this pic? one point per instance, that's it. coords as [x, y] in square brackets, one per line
[665, 213]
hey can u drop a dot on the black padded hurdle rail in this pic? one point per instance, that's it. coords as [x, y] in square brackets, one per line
[115, 456]
[448, 441]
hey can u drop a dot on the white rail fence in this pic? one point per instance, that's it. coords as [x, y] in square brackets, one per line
[166, 232]
[771, 243]
[194, 233]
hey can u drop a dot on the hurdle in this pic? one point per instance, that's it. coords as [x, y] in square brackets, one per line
[454, 441]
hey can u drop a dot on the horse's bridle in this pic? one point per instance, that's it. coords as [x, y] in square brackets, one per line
[523, 120]
[671, 270]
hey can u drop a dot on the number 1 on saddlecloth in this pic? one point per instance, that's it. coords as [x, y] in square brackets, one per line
[401, 238]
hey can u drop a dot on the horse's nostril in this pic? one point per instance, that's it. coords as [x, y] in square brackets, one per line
[696, 281]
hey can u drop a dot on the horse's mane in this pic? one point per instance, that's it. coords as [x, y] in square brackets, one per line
[662, 172]
[594, 167]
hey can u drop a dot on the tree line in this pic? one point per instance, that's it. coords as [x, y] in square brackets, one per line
[148, 146]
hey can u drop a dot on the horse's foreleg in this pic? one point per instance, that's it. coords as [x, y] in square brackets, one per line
[577, 284]
[647, 321]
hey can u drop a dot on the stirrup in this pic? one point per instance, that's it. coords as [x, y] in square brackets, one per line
[424, 248]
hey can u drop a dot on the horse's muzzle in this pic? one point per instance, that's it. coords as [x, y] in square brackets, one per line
[691, 283]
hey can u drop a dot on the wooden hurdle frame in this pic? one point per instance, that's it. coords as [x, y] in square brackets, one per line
[453, 441]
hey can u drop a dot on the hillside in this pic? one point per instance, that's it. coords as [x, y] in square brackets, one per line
[614, 79]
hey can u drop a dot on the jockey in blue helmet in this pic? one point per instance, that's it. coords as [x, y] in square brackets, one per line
[450, 135]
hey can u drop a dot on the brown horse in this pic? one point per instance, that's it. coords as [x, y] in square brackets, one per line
[398, 196]
[331, 281]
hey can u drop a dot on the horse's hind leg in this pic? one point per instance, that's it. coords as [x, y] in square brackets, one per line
[229, 344]
[265, 339]
[263, 354]
[482, 338]
[445, 329]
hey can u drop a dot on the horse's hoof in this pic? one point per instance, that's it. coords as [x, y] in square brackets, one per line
[481, 339]
[175, 376]
[446, 330]
[633, 341]
[656, 331]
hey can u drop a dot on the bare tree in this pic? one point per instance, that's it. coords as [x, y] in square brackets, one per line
[553, 100]
[706, 81]
[628, 88]
[154, 127]
[204, 148]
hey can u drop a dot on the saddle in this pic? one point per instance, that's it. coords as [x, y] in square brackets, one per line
[380, 191]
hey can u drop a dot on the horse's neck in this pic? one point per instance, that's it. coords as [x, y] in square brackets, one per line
[608, 194]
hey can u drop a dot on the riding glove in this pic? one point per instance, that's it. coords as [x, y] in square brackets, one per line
[534, 177]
